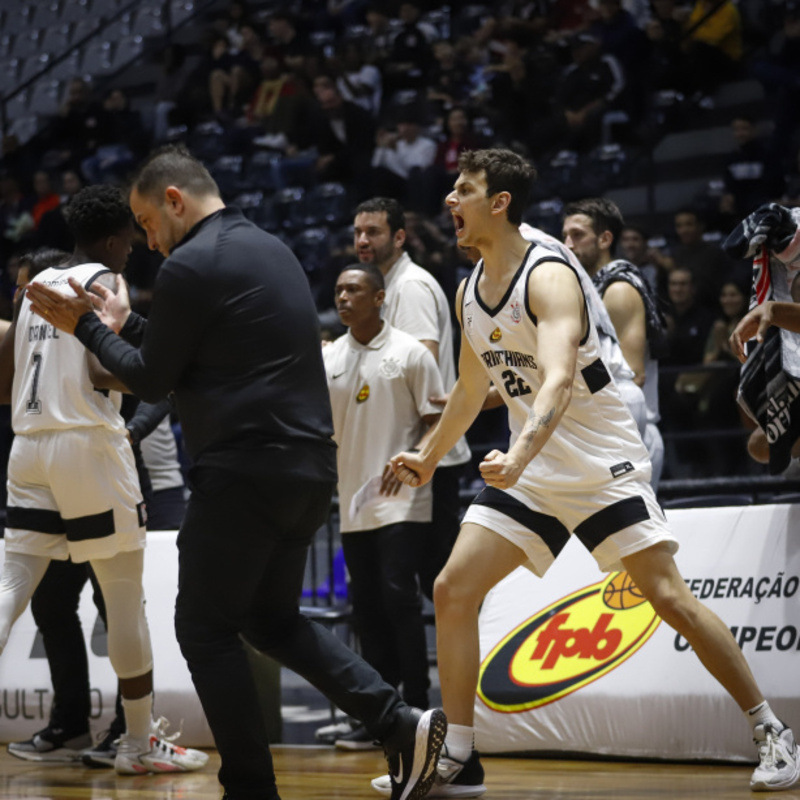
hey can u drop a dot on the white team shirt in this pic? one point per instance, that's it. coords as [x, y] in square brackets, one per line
[52, 389]
[416, 304]
[379, 394]
[596, 439]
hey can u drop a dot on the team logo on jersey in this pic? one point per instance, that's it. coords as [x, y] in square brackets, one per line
[496, 335]
[568, 645]
[516, 312]
[363, 393]
[389, 368]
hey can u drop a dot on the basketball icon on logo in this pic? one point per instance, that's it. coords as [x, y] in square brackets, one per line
[621, 592]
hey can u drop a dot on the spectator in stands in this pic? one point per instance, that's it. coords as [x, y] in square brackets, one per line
[280, 108]
[448, 81]
[664, 30]
[358, 81]
[120, 142]
[401, 156]
[712, 44]
[217, 66]
[53, 230]
[383, 537]
[16, 219]
[174, 72]
[633, 247]
[733, 301]
[588, 88]
[46, 198]
[707, 262]
[344, 135]
[231, 22]
[378, 41]
[410, 58]
[688, 321]
[747, 178]
[74, 133]
[288, 41]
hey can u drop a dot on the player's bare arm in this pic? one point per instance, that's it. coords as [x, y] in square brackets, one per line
[626, 309]
[101, 378]
[557, 302]
[755, 324]
[463, 405]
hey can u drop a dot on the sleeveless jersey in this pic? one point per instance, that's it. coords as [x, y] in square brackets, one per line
[596, 440]
[52, 389]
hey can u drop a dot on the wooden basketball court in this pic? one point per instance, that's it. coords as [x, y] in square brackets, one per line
[322, 773]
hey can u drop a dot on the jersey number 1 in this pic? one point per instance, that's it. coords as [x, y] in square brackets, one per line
[34, 404]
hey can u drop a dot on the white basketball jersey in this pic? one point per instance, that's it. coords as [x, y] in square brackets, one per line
[52, 389]
[596, 440]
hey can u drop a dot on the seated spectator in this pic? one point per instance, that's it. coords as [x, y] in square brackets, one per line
[74, 132]
[121, 141]
[707, 262]
[215, 71]
[16, 220]
[175, 70]
[280, 108]
[665, 68]
[633, 247]
[733, 301]
[344, 135]
[589, 87]
[358, 82]
[288, 41]
[712, 44]
[747, 179]
[449, 79]
[410, 58]
[400, 156]
[688, 321]
[46, 198]
[53, 230]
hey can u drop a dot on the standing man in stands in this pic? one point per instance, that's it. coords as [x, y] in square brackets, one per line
[233, 332]
[591, 229]
[416, 304]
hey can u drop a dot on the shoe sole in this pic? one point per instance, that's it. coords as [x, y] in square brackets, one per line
[63, 757]
[383, 787]
[343, 744]
[429, 738]
[761, 786]
[98, 762]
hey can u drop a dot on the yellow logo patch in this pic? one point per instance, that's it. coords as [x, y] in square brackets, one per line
[566, 646]
[363, 393]
[496, 335]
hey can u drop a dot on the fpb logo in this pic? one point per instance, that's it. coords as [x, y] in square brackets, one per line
[567, 645]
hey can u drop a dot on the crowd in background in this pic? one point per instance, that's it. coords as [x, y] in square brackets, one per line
[302, 111]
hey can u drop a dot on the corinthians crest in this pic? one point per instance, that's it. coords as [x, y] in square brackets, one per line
[515, 311]
[389, 368]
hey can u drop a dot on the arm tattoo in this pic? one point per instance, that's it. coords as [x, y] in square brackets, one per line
[536, 421]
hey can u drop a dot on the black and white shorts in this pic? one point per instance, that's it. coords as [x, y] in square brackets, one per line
[73, 493]
[615, 521]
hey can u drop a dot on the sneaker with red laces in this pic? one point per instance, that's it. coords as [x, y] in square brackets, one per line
[136, 757]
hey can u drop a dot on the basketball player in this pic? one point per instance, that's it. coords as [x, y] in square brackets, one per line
[591, 228]
[525, 328]
[73, 491]
[234, 332]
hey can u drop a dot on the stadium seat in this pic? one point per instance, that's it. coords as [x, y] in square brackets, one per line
[97, 58]
[605, 167]
[33, 66]
[45, 97]
[259, 174]
[128, 49]
[227, 172]
[148, 21]
[288, 206]
[70, 67]
[312, 248]
[56, 39]
[27, 43]
[326, 204]
[75, 11]
[206, 141]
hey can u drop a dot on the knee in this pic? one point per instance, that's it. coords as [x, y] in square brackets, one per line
[454, 596]
[677, 609]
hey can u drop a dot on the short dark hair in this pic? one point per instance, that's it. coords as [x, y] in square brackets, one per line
[173, 165]
[372, 272]
[395, 215]
[506, 171]
[604, 214]
[96, 212]
[42, 258]
[636, 229]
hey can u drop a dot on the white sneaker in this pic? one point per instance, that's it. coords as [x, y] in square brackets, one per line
[779, 766]
[453, 779]
[135, 757]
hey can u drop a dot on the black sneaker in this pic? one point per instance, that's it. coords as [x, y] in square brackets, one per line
[357, 739]
[453, 779]
[412, 751]
[52, 744]
[104, 753]
[328, 734]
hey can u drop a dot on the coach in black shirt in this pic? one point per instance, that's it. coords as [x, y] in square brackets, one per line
[233, 332]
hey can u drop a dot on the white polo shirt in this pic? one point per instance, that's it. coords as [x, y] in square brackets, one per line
[416, 304]
[379, 394]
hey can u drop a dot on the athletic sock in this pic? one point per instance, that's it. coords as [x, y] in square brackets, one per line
[460, 741]
[139, 717]
[762, 714]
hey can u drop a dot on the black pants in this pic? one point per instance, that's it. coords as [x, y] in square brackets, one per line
[165, 509]
[444, 527]
[387, 604]
[242, 555]
[54, 606]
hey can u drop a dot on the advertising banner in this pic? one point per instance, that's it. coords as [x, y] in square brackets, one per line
[579, 662]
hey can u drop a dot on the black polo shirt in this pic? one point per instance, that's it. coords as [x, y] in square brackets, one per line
[233, 332]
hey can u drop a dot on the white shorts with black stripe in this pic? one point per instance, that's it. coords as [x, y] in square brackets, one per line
[73, 493]
[615, 521]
